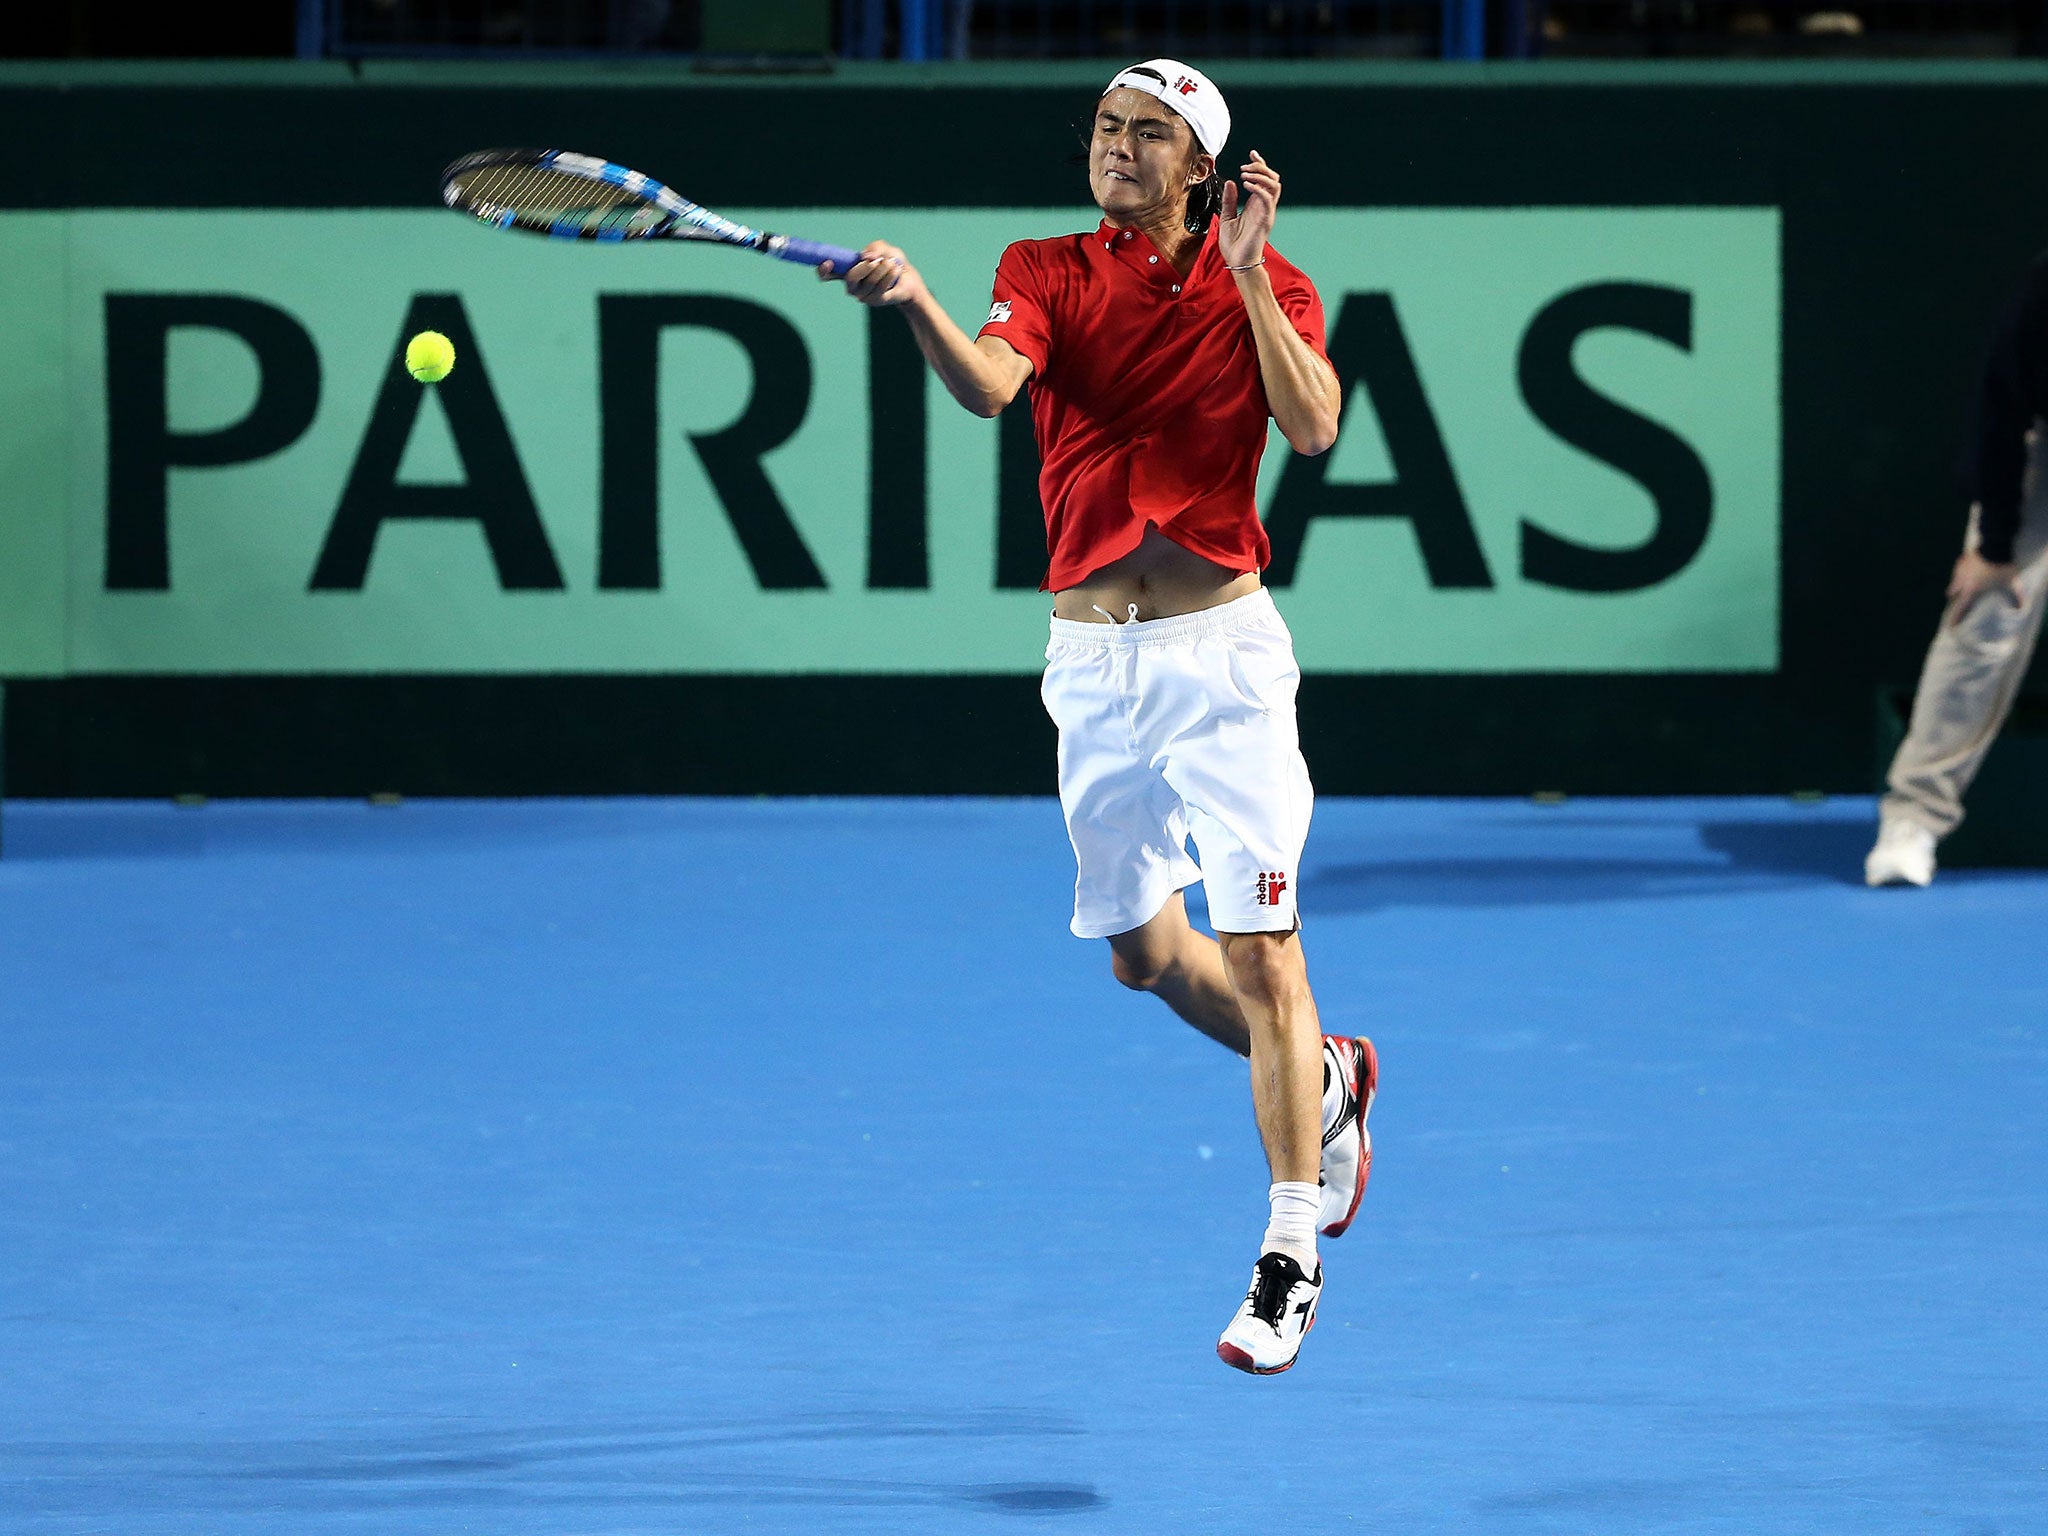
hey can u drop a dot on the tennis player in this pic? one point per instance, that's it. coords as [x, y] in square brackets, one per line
[1155, 348]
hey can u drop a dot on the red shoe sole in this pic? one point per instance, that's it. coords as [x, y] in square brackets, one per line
[1231, 1355]
[1365, 1091]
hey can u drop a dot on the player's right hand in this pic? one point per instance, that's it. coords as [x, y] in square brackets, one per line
[1974, 577]
[883, 276]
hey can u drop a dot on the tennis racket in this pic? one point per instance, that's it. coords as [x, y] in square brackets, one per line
[579, 197]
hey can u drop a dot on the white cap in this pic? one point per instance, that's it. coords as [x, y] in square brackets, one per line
[1185, 89]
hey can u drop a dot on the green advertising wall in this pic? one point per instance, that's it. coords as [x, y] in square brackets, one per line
[1653, 385]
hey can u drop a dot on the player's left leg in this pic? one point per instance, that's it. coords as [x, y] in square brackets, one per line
[1235, 763]
[1184, 968]
[1270, 978]
[1249, 991]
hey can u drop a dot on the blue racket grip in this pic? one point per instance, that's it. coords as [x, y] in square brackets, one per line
[812, 254]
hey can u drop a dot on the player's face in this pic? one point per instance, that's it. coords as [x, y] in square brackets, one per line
[1142, 157]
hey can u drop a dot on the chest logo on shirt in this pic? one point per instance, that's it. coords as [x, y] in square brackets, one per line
[1271, 884]
[998, 312]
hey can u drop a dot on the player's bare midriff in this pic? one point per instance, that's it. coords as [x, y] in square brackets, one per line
[1160, 577]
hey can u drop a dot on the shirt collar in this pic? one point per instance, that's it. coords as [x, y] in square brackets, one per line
[1134, 248]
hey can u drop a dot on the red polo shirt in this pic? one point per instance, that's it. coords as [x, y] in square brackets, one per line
[1145, 394]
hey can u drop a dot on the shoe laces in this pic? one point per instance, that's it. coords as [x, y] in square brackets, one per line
[1271, 1286]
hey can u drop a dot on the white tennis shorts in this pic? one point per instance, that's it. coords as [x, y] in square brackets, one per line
[1175, 728]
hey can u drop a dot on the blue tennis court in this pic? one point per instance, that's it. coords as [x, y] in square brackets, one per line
[782, 1166]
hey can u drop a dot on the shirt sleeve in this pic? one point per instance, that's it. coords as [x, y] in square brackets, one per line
[1019, 310]
[1303, 307]
[2006, 407]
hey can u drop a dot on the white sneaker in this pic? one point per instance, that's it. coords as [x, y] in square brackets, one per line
[1351, 1076]
[1904, 854]
[1278, 1312]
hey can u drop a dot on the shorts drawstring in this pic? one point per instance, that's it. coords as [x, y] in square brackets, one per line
[1106, 630]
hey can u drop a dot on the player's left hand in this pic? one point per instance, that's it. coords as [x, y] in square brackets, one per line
[1247, 219]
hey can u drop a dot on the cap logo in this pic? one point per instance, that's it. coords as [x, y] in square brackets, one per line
[1185, 89]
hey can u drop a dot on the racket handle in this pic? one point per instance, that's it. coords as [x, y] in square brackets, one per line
[812, 254]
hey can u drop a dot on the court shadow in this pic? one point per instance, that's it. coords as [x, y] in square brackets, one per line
[1825, 851]
[1034, 1498]
[813, 1462]
[1384, 885]
[1626, 1500]
[1735, 857]
[33, 835]
[121, 830]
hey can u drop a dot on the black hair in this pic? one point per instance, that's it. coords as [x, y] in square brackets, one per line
[1205, 198]
[1205, 201]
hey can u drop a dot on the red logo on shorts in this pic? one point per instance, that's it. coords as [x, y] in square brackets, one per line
[1271, 884]
[1185, 86]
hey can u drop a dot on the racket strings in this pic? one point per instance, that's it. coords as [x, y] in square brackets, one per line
[549, 200]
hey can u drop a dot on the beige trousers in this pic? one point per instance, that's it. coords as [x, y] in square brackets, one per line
[1973, 674]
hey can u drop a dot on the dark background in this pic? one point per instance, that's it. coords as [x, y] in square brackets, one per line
[1911, 197]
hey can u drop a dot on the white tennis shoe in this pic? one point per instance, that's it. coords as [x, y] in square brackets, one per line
[1277, 1314]
[1351, 1075]
[1904, 854]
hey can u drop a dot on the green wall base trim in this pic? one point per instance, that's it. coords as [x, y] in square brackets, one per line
[351, 736]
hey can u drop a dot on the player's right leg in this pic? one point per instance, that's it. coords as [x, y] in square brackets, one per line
[1183, 968]
[1351, 1077]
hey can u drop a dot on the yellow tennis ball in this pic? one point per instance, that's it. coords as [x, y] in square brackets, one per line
[429, 356]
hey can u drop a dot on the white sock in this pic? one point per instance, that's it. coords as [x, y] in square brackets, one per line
[1292, 1227]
